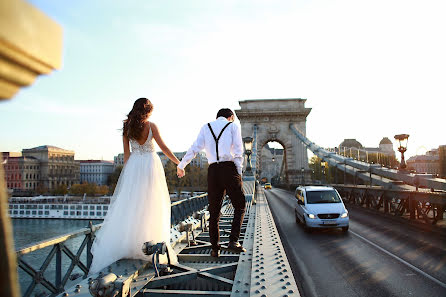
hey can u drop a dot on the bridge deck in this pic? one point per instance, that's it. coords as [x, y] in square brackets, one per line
[262, 271]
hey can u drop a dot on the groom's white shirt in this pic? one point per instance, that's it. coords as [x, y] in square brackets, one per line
[230, 147]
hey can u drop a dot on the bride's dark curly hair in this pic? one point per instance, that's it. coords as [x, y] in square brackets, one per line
[134, 124]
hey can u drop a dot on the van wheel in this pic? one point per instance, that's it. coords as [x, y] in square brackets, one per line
[344, 229]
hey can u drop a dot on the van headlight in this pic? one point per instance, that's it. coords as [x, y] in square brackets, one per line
[344, 215]
[311, 216]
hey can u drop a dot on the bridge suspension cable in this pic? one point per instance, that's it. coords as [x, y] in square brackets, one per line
[375, 173]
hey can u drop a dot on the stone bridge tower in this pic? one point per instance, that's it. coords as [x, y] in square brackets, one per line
[273, 118]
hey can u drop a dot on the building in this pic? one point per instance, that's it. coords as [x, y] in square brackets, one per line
[353, 148]
[22, 174]
[442, 160]
[118, 160]
[386, 145]
[95, 171]
[57, 166]
[428, 163]
[164, 159]
[6, 155]
[200, 159]
[41, 168]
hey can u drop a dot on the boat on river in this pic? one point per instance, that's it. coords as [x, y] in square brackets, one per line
[59, 207]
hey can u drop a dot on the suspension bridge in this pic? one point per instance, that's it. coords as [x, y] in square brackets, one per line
[388, 210]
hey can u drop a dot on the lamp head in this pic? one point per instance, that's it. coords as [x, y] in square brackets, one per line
[402, 139]
[247, 142]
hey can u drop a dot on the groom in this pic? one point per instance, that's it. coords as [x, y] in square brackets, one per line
[222, 142]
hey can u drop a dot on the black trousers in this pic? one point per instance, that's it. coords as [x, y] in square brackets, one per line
[223, 177]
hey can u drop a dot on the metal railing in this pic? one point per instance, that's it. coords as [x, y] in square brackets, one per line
[58, 247]
[183, 209]
[423, 206]
[180, 210]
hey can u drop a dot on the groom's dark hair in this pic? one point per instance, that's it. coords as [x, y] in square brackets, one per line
[224, 112]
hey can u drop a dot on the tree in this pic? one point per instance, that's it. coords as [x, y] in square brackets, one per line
[113, 178]
[41, 189]
[316, 168]
[170, 171]
[60, 190]
[195, 177]
[91, 189]
[76, 189]
[102, 190]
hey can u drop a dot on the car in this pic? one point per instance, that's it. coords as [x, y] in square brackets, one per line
[268, 186]
[320, 207]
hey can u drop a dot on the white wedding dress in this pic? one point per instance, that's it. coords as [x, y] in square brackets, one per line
[139, 211]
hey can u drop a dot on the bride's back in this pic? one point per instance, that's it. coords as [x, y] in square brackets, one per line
[144, 144]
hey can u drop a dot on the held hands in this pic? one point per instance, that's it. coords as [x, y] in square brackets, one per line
[180, 172]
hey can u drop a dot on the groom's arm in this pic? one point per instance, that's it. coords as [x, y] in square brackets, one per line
[196, 147]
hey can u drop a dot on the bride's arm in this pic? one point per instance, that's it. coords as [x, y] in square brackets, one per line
[125, 143]
[162, 145]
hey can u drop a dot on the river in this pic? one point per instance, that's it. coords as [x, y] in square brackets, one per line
[30, 231]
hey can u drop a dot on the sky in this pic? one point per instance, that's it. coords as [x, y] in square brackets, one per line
[368, 69]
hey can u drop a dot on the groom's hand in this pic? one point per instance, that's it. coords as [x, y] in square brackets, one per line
[180, 172]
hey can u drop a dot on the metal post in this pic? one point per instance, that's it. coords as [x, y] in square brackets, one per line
[89, 244]
[323, 174]
[248, 164]
[440, 212]
[386, 205]
[412, 207]
[345, 172]
[59, 268]
[336, 173]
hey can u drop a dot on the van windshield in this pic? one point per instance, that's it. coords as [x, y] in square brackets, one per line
[314, 197]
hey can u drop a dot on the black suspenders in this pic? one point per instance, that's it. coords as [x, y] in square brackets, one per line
[217, 138]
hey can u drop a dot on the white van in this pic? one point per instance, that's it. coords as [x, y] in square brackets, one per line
[320, 207]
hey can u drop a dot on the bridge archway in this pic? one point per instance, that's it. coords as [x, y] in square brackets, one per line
[272, 168]
[272, 119]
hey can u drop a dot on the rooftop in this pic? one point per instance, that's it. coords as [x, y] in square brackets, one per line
[385, 140]
[351, 143]
[424, 158]
[95, 161]
[47, 148]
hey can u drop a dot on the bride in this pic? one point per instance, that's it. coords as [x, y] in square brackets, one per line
[140, 210]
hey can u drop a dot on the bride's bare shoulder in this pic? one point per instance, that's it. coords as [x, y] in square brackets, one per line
[152, 126]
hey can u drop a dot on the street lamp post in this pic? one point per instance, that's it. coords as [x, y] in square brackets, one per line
[302, 171]
[402, 139]
[323, 172]
[247, 143]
